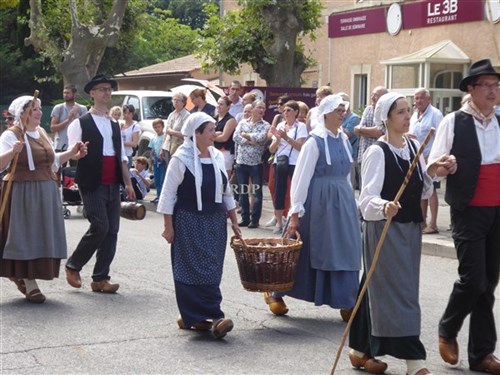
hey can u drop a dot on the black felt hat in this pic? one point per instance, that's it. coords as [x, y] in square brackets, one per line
[100, 78]
[479, 68]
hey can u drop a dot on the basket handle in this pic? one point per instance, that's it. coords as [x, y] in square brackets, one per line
[297, 234]
[234, 237]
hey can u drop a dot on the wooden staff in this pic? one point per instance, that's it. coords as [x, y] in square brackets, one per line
[5, 195]
[379, 246]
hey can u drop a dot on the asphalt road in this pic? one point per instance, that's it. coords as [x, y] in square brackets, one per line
[135, 331]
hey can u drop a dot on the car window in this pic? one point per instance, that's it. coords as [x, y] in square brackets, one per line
[156, 107]
[117, 100]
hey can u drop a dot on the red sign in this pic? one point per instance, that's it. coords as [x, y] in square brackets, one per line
[415, 14]
[439, 12]
[360, 22]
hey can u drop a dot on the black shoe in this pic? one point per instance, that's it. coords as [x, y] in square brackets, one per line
[154, 200]
[253, 225]
[244, 223]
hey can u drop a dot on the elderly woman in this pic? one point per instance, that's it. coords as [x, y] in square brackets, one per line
[393, 291]
[194, 203]
[330, 258]
[199, 99]
[32, 236]
[174, 123]
[288, 137]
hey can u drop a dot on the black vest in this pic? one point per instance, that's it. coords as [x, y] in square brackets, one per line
[395, 173]
[461, 186]
[89, 168]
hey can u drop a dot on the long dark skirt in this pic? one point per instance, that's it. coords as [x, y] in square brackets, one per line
[361, 339]
[197, 263]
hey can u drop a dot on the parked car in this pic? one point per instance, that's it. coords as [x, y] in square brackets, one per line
[148, 105]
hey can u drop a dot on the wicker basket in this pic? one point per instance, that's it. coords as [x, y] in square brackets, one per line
[267, 264]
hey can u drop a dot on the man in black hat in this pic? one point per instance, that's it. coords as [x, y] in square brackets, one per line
[99, 176]
[467, 151]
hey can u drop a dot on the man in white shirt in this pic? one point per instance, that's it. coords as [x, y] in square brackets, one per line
[466, 151]
[236, 101]
[425, 117]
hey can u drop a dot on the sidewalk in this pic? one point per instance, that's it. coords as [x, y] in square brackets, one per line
[440, 244]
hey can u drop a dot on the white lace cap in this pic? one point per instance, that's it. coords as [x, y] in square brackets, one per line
[193, 122]
[328, 104]
[16, 108]
[382, 107]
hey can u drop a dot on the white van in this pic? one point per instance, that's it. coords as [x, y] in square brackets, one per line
[148, 105]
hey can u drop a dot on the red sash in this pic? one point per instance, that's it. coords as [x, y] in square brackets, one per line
[487, 192]
[109, 175]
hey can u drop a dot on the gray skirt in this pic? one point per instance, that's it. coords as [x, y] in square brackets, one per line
[393, 290]
[36, 224]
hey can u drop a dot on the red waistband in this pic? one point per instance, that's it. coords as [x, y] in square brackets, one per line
[487, 192]
[109, 172]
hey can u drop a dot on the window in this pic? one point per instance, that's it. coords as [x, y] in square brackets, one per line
[360, 96]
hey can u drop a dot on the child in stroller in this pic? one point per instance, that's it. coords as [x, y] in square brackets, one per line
[70, 192]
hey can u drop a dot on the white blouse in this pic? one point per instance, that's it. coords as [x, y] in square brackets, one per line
[371, 203]
[8, 139]
[174, 177]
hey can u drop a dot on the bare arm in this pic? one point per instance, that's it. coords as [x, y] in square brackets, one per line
[227, 132]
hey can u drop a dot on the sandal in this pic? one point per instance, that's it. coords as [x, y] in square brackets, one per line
[20, 285]
[35, 296]
[430, 230]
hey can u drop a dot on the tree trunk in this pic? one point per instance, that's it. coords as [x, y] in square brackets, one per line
[289, 64]
[80, 60]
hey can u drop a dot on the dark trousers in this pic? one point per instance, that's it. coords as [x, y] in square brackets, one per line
[244, 174]
[103, 212]
[280, 185]
[476, 233]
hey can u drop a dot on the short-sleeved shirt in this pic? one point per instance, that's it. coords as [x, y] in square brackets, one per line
[297, 131]
[420, 126]
[62, 111]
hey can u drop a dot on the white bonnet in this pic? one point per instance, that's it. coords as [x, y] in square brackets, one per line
[16, 107]
[194, 121]
[383, 105]
[329, 104]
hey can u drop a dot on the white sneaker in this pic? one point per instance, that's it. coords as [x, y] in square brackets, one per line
[271, 223]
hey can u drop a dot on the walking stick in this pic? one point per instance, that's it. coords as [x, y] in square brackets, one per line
[379, 246]
[5, 196]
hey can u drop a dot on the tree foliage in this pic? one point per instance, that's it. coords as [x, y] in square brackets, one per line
[158, 38]
[267, 34]
[75, 45]
[188, 12]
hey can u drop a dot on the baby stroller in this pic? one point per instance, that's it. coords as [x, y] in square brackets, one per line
[70, 193]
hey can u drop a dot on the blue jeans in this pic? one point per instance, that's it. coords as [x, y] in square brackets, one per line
[244, 173]
[159, 170]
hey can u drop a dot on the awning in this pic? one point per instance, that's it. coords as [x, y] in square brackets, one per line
[445, 52]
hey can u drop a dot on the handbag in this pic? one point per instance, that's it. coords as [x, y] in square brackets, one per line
[282, 161]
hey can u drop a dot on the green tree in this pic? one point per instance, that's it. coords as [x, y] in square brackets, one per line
[188, 12]
[75, 45]
[158, 38]
[267, 34]
[21, 69]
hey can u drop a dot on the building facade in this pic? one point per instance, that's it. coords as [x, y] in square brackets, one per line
[402, 45]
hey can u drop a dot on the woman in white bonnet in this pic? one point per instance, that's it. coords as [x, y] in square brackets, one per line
[323, 210]
[33, 239]
[195, 199]
[389, 324]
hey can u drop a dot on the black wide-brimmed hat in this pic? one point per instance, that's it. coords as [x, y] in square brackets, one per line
[479, 68]
[100, 78]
